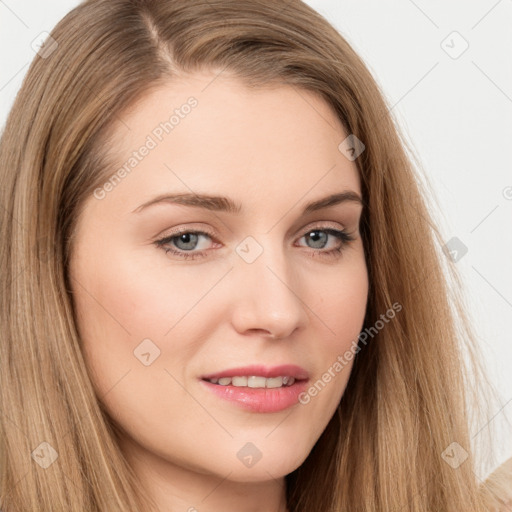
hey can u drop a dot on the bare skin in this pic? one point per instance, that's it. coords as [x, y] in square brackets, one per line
[273, 151]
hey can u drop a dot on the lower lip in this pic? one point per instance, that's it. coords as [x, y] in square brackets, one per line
[259, 399]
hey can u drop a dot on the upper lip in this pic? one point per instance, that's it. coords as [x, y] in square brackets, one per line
[285, 370]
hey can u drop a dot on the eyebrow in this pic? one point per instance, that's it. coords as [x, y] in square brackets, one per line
[224, 204]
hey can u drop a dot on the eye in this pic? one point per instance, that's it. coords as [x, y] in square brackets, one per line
[184, 244]
[185, 241]
[320, 236]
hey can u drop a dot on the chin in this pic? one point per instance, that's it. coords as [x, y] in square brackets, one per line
[273, 462]
[263, 472]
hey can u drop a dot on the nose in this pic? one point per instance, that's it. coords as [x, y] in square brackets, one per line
[267, 296]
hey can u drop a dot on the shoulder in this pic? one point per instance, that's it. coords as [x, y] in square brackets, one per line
[497, 488]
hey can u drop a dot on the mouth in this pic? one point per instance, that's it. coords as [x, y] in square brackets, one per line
[254, 381]
[258, 388]
[259, 376]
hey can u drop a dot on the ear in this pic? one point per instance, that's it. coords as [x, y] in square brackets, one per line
[497, 488]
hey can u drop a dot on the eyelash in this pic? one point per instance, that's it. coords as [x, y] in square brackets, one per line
[343, 236]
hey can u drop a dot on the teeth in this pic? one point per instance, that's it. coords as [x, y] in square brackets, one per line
[239, 381]
[254, 381]
[275, 382]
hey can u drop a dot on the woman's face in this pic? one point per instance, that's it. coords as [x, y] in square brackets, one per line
[270, 290]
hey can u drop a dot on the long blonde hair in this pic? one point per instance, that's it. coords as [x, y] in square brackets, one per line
[407, 397]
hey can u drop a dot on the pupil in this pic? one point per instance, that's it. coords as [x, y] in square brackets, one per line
[186, 239]
[317, 236]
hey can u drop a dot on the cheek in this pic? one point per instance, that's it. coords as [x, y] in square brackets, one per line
[127, 309]
[340, 307]
[121, 295]
[340, 302]
[124, 313]
[116, 310]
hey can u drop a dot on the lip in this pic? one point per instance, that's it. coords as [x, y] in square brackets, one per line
[284, 370]
[260, 400]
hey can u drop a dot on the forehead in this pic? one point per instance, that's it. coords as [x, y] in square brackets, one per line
[213, 133]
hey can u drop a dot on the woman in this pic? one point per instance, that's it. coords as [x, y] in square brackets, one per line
[170, 338]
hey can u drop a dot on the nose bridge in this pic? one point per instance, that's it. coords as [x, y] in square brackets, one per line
[268, 295]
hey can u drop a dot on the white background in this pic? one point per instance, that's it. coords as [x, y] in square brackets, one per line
[456, 113]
